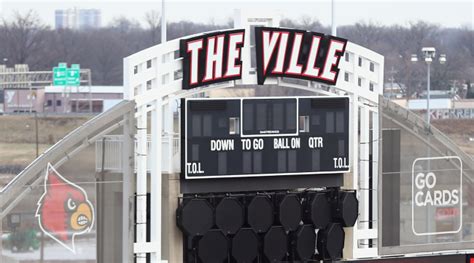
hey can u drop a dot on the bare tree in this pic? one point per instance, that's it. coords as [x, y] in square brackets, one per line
[367, 34]
[153, 22]
[23, 38]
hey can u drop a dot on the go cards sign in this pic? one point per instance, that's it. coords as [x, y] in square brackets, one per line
[436, 184]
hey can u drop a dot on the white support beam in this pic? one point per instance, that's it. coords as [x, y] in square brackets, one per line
[376, 143]
[363, 187]
[141, 156]
[127, 195]
[156, 179]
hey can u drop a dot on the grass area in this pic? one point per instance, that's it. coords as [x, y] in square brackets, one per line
[16, 156]
[21, 128]
[460, 131]
[18, 139]
[19, 153]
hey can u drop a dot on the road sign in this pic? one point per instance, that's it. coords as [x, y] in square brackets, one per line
[73, 75]
[245, 137]
[59, 76]
[63, 76]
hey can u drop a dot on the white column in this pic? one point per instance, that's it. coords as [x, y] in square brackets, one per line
[364, 170]
[156, 179]
[333, 18]
[141, 156]
[127, 195]
[163, 22]
[169, 129]
[375, 167]
[352, 233]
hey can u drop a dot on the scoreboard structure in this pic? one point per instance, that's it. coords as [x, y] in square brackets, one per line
[266, 136]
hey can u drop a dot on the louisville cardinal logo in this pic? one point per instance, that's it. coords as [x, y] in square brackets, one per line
[64, 211]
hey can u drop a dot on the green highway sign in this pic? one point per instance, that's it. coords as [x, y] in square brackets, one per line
[63, 76]
[59, 76]
[74, 75]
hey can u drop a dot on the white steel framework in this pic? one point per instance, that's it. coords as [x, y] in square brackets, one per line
[152, 78]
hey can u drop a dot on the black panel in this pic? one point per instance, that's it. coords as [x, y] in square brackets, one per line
[207, 105]
[330, 103]
[391, 187]
[269, 116]
[289, 136]
[261, 183]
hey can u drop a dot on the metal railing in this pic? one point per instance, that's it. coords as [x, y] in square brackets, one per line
[109, 148]
[63, 150]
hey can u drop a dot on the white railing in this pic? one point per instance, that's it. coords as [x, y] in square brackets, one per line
[109, 149]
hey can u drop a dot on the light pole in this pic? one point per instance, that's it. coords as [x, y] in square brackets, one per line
[429, 54]
[333, 18]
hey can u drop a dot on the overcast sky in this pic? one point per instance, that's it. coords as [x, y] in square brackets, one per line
[447, 13]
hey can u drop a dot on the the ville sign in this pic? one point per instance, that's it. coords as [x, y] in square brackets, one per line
[216, 57]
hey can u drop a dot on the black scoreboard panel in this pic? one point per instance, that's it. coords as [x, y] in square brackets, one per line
[253, 137]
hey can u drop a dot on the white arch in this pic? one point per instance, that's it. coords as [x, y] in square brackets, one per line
[152, 79]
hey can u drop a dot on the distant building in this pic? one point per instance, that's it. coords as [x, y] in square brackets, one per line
[394, 90]
[74, 18]
[61, 100]
[58, 99]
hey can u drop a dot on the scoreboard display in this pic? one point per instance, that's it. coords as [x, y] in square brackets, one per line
[252, 137]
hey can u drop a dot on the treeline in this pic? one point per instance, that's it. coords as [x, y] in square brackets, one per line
[25, 39]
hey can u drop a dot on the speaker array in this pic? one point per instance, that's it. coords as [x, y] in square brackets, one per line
[266, 227]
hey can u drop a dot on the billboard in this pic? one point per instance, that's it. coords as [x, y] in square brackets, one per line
[254, 137]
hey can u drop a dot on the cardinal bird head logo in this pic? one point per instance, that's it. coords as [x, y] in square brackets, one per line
[64, 211]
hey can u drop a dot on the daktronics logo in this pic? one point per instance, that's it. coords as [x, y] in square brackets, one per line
[436, 194]
[217, 57]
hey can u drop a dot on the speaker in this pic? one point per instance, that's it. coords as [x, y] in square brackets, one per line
[330, 242]
[245, 246]
[318, 209]
[346, 209]
[290, 212]
[260, 213]
[230, 215]
[213, 247]
[195, 217]
[275, 244]
[305, 242]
